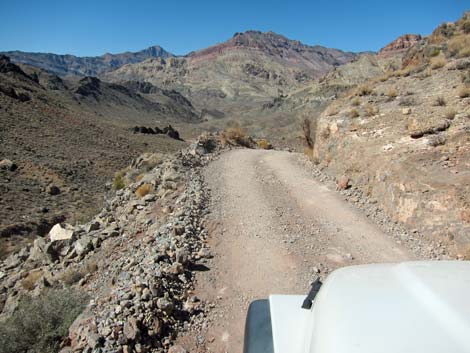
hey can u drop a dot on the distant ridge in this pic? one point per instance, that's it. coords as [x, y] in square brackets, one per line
[67, 65]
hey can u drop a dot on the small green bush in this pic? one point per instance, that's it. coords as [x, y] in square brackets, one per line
[118, 181]
[40, 324]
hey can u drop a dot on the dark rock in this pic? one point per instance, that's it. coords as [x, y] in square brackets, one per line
[53, 190]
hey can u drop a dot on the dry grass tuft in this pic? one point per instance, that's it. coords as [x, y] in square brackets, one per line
[235, 135]
[356, 102]
[143, 190]
[391, 94]
[459, 46]
[29, 282]
[71, 276]
[437, 62]
[371, 110]
[353, 113]
[264, 144]
[363, 90]
[464, 92]
[385, 76]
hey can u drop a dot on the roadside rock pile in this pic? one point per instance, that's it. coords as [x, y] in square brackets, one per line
[136, 259]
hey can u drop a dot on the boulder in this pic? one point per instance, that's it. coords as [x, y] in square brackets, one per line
[182, 256]
[53, 190]
[83, 245]
[165, 305]
[6, 164]
[343, 183]
[61, 233]
[92, 226]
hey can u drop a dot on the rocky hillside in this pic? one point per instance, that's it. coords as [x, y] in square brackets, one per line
[245, 72]
[123, 281]
[62, 141]
[65, 65]
[402, 137]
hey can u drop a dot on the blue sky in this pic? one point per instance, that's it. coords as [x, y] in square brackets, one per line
[90, 28]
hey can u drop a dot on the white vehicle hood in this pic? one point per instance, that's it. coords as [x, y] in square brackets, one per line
[413, 307]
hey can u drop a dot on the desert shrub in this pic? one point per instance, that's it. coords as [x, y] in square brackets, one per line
[391, 94]
[264, 144]
[464, 92]
[363, 90]
[309, 129]
[356, 102]
[466, 26]
[39, 324]
[440, 101]
[433, 51]
[144, 189]
[118, 181]
[437, 62]
[371, 110]
[71, 276]
[353, 113]
[236, 135]
[385, 76]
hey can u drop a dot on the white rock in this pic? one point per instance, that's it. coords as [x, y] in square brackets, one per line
[59, 233]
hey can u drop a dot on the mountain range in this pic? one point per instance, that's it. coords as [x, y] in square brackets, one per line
[65, 65]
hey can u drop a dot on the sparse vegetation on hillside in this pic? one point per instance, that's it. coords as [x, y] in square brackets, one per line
[39, 324]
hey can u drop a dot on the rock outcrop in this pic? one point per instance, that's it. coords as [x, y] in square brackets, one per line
[400, 45]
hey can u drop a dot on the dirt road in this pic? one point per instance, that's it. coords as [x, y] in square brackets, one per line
[275, 228]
